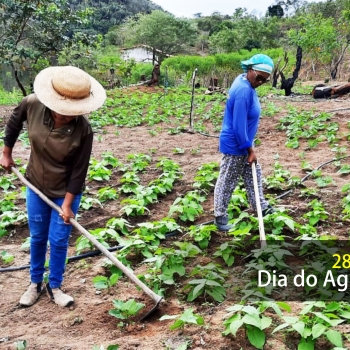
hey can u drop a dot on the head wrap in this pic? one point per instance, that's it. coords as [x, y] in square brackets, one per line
[260, 62]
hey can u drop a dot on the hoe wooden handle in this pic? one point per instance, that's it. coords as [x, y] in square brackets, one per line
[258, 208]
[129, 273]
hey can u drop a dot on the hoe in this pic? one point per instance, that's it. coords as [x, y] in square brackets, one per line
[155, 297]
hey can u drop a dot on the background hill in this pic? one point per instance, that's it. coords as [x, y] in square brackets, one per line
[108, 13]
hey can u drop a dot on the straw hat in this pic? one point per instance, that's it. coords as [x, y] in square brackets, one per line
[69, 90]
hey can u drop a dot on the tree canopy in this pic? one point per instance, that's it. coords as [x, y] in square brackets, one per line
[34, 31]
[161, 31]
[109, 13]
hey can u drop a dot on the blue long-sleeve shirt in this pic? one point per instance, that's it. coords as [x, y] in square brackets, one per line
[241, 118]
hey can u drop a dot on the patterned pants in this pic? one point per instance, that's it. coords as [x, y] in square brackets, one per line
[232, 168]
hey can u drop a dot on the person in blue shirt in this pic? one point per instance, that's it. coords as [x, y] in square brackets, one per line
[236, 141]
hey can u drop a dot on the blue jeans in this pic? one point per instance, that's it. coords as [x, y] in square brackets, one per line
[45, 225]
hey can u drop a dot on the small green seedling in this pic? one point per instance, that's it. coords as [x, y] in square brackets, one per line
[187, 317]
[21, 345]
[6, 257]
[103, 282]
[109, 347]
[124, 310]
[178, 150]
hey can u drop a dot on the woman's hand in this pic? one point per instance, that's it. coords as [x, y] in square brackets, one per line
[67, 214]
[251, 156]
[6, 160]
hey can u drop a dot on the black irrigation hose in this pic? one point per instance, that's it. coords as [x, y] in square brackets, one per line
[79, 257]
[208, 135]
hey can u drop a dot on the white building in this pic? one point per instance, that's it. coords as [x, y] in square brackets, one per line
[141, 53]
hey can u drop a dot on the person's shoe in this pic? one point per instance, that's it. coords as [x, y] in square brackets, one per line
[268, 210]
[31, 295]
[59, 297]
[221, 222]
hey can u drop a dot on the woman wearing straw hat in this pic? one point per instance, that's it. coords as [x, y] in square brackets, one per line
[240, 124]
[61, 143]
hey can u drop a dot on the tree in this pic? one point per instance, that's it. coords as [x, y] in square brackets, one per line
[295, 5]
[161, 31]
[211, 24]
[108, 13]
[246, 31]
[275, 10]
[35, 31]
[226, 40]
[323, 40]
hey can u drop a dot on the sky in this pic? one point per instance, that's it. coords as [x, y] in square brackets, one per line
[187, 8]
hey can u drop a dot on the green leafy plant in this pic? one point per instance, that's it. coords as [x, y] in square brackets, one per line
[155, 280]
[202, 234]
[243, 225]
[26, 244]
[188, 207]
[306, 125]
[119, 224]
[210, 282]
[270, 109]
[87, 203]
[178, 150]
[166, 263]
[315, 320]
[130, 181]
[6, 257]
[133, 207]
[103, 282]
[196, 150]
[21, 345]
[317, 213]
[276, 222]
[252, 319]
[279, 178]
[139, 161]
[308, 192]
[169, 263]
[125, 310]
[305, 165]
[228, 250]
[270, 257]
[147, 195]
[187, 317]
[11, 217]
[107, 193]
[109, 347]
[98, 170]
[7, 203]
[206, 176]
[103, 235]
[153, 232]
[324, 181]
[346, 207]
[344, 170]
[6, 182]
[109, 159]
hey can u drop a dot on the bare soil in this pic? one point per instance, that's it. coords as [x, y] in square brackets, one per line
[87, 323]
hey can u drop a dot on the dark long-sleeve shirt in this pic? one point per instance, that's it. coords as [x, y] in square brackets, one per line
[59, 158]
